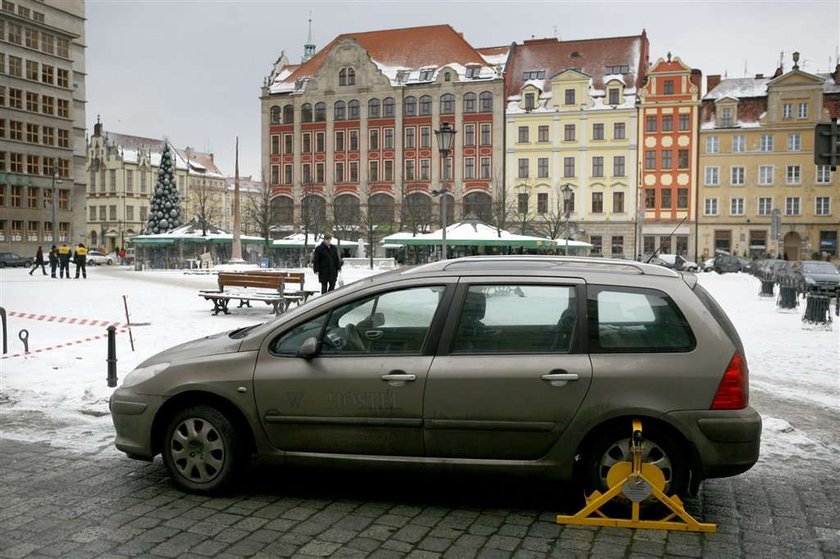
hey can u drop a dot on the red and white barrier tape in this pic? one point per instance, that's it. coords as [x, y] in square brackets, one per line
[66, 319]
[59, 346]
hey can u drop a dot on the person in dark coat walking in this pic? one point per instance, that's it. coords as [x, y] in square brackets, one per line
[81, 260]
[39, 261]
[53, 260]
[326, 263]
[64, 260]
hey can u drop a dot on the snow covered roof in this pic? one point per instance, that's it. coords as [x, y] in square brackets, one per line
[470, 233]
[246, 184]
[299, 240]
[192, 232]
[738, 88]
[396, 51]
[131, 148]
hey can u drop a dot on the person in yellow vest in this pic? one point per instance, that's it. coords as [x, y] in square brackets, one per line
[81, 260]
[64, 260]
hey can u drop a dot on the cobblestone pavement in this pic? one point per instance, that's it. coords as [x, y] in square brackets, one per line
[60, 503]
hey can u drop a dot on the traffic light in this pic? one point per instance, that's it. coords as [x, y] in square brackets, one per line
[827, 144]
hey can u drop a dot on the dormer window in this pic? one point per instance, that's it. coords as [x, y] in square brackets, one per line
[614, 94]
[533, 75]
[347, 76]
[569, 97]
[426, 75]
[618, 69]
[668, 88]
[530, 105]
[473, 71]
[726, 117]
[447, 76]
[402, 76]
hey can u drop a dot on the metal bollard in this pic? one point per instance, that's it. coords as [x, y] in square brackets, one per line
[112, 356]
[787, 294]
[817, 308]
[5, 340]
[24, 337]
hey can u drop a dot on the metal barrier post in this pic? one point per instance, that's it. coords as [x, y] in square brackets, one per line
[112, 356]
[5, 340]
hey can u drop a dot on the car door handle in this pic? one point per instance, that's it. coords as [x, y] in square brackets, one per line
[560, 376]
[400, 376]
[373, 334]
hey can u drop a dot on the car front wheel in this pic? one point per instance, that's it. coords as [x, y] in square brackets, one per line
[201, 450]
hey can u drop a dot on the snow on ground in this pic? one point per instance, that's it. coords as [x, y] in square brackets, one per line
[61, 394]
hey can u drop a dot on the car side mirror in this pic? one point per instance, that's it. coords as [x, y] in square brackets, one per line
[309, 348]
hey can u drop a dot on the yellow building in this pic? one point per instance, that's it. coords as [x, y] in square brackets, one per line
[757, 158]
[571, 120]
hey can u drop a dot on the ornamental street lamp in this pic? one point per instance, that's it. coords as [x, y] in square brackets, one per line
[566, 189]
[55, 180]
[445, 136]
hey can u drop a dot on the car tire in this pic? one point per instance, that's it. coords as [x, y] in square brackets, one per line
[110, 262]
[202, 451]
[2, 264]
[659, 448]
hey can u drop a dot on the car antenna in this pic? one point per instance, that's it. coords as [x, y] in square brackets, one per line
[655, 252]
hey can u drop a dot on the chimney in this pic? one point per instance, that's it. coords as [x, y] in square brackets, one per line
[836, 74]
[759, 76]
[712, 81]
[779, 71]
[697, 79]
[211, 158]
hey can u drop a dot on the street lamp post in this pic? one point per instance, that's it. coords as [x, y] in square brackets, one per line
[566, 189]
[445, 136]
[54, 216]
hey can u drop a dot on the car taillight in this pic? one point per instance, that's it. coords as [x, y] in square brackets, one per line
[734, 390]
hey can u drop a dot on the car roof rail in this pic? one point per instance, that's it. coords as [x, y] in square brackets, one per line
[545, 262]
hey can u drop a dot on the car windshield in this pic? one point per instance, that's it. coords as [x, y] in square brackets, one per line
[819, 268]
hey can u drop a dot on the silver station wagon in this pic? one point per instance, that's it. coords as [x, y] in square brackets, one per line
[530, 365]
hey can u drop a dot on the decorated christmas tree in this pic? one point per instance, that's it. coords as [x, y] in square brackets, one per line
[165, 207]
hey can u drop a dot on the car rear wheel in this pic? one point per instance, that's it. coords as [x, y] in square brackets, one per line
[201, 450]
[658, 448]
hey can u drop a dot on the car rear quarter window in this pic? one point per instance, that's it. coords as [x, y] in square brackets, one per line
[635, 320]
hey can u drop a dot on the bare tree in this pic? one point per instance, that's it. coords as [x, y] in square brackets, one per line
[552, 223]
[520, 214]
[205, 206]
[259, 212]
[500, 213]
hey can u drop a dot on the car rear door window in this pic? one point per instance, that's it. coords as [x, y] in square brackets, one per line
[515, 318]
[635, 321]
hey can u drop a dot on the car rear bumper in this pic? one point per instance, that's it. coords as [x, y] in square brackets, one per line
[727, 442]
[133, 416]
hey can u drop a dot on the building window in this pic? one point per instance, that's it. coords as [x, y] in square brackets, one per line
[787, 111]
[523, 169]
[726, 117]
[388, 107]
[569, 132]
[598, 131]
[618, 244]
[529, 102]
[129, 181]
[542, 202]
[665, 198]
[614, 95]
[650, 123]
[425, 137]
[47, 104]
[618, 166]
[650, 199]
[682, 198]
[485, 134]
[373, 108]
[410, 137]
[347, 76]
[373, 171]
[738, 144]
[31, 70]
[682, 159]
[15, 66]
[684, 122]
[710, 206]
[287, 174]
[320, 112]
[737, 176]
[354, 140]
[667, 123]
[425, 105]
[712, 144]
[619, 131]
[425, 169]
[597, 244]
[447, 104]
[598, 166]
[792, 205]
[63, 47]
[307, 173]
[765, 205]
[320, 175]
[307, 142]
[736, 206]
[522, 137]
[542, 167]
[485, 167]
[389, 170]
[668, 87]
[340, 110]
[410, 106]
[373, 139]
[522, 203]
[63, 110]
[823, 205]
[275, 145]
[542, 133]
[485, 102]
[62, 78]
[650, 159]
[275, 174]
[569, 97]
[389, 138]
[288, 144]
[667, 159]
[766, 142]
[469, 102]
[823, 174]
[794, 142]
[469, 134]
[353, 110]
[409, 169]
[618, 202]
[794, 174]
[765, 174]
[354, 171]
[320, 143]
[712, 176]
[802, 110]
[339, 171]
[469, 167]
[568, 167]
[597, 202]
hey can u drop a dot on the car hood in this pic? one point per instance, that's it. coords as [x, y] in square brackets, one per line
[215, 344]
[823, 278]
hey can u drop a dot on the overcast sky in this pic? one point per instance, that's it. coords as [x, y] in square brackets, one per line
[192, 70]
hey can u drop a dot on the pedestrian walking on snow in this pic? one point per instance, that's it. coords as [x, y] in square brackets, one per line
[53, 260]
[39, 261]
[326, 263]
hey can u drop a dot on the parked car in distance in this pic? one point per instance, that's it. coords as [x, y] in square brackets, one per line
[726, 263]
[457, 347]
[746, 264]
[678, 262]
[655, 260]
[12, 260]
[816, 274]
[97, 257]
[708, 264]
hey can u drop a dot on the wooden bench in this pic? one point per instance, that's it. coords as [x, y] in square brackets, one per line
[291, 277]
[247, 287]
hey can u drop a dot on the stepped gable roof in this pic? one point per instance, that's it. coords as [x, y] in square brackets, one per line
[411, 48]
[591, 56]
[127, 141]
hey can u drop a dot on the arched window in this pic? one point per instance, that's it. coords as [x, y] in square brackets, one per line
[353, 109]
[485, 102]
[410, 107]
[306, 113]
[342, 76]
[469, 102]
[288, 114]
[282, 210]
[388, 107]
[381, 209]
[320, 112]
[339, 112]
[373, 108]
[351, 76]
[447, 104]
[479, 204]
[275, 115]
[417, 211]
[313, 210]
[425, 105]
[346, 209]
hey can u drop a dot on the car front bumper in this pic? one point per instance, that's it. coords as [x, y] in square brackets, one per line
[133, 416]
